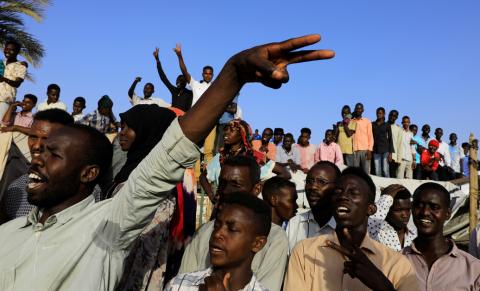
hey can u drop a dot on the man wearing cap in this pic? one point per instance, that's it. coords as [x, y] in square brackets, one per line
[102, 118]
[429, 161]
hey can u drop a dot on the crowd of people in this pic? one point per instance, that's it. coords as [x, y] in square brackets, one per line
[99, 204]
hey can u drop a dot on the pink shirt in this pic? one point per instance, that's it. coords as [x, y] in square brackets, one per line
[363, 136]
[331, 152]
[307, 155]
[25, 121]
[456, 270]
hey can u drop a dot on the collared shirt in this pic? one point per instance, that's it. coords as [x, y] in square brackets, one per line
[397, 141]
[135, 100]
[406, 151]
[268, 265]
[303, 226]
[345, 142]
[54, 105]
[23, 120]
[16, 202]
[191, 282]
[382, 231]
[307, 155]
[84, 246]
[315, 266]
[198, 88]
[456, 270]
[445, 152]
[363, 136]
[456, 154]
[329, 152]
[283, 156]
[97, 121]
[12, 71]
[271, 148]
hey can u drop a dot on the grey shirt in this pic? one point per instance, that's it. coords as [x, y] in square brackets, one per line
[268, 265]
[83, 247]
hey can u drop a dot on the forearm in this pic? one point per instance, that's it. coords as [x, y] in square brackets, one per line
[183, 68]
[131, 91]
[201, 118]
[163, 77]
[207, 187]
[13, 83]
[24, 130]
[7, 118]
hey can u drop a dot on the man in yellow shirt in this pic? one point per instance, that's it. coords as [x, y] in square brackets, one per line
[349, 259]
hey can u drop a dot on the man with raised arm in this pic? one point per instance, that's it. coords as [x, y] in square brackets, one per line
[181, 96]
[68, 242]
[198, 88]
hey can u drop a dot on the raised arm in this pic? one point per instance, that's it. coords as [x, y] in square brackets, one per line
[131, 91]
[161, 73]
[266, 64]
[183, 68]
[7, 118]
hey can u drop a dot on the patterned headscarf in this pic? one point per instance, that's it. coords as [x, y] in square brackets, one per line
[246, 135]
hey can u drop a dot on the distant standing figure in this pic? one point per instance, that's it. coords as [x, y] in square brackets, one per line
[12, 76]
[53, 96]
[148, 91]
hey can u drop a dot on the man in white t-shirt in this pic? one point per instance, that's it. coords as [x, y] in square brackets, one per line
[148, 91]
[52, 102]
[198, 88]
[12, 75]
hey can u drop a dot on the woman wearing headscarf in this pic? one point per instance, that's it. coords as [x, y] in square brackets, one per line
[143, 127]
[237, 141]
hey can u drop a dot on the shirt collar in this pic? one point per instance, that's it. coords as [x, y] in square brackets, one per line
[367, 243]
[454, 252]
[208, 272]
[308, 217]
[62, 217]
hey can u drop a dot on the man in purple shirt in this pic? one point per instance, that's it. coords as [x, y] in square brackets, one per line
[439, 264]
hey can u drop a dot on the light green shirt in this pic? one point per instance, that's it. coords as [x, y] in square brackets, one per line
[268, 265]
[83, 247]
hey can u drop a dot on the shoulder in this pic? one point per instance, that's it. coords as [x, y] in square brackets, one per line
[392, 258]
[187, 280]
[470, 261]
[313, 244]
[13, 226]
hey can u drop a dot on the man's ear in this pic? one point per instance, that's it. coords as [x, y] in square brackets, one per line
[449, 213]
[257, 189]
[273, 200]
[259, 243]
[89, 173]
[372, 209]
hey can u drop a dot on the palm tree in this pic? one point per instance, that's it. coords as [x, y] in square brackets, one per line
[13, 26]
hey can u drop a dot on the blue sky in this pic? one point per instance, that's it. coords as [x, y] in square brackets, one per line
[419, 57]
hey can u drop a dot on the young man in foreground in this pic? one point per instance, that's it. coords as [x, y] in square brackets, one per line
[439, 264]
[349, 259]
[240, 231]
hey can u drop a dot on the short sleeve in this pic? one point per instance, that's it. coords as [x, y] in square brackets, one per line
[20, 71]
[213, 169]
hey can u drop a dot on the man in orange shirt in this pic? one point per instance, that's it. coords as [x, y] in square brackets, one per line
[264, 145]
[362, 140]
